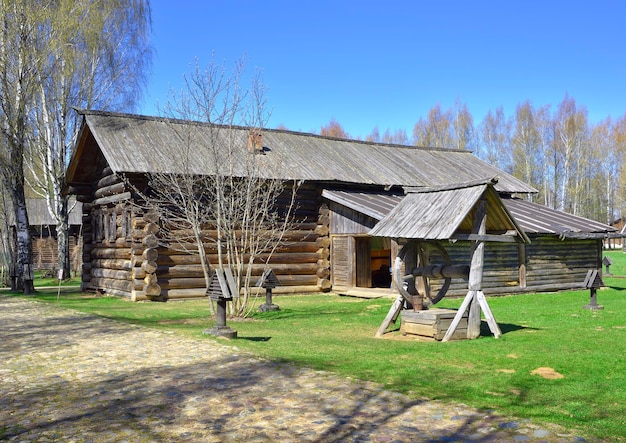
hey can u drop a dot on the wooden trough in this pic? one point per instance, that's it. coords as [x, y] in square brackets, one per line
[432, 323]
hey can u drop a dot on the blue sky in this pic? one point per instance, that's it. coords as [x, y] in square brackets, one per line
[386, 63]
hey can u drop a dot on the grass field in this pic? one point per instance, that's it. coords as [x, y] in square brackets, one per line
[585, 349]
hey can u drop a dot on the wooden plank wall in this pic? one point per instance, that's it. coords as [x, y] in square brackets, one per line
[45, 253]
[347, 221]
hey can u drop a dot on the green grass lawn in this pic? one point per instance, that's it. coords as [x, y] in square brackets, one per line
[328, 332]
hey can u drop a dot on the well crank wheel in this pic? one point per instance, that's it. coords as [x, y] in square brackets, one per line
[415, 252]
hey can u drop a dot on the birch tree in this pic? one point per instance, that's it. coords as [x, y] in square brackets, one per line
[545, 130]
[494, 139]
[435, 130]
[463, 127]
[525, 145]
[571, 132]
[450, 128]
[96, 57]
[20, 64]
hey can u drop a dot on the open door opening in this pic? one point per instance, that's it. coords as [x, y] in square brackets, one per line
[373, 262]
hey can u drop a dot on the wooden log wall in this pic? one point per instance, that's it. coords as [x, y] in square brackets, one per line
[124, 253]
[301, 263]
[45, 253]
[546, 264]
[560, 264]
[108, 241]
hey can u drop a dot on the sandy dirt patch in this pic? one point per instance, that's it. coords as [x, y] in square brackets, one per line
[547, 373]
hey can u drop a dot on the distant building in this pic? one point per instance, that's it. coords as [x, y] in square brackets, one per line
[44, 234]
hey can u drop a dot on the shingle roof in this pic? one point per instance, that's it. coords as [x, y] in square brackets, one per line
[444, 213]
[38, 213]
[531, 217]
[540, 219]
[132, 143]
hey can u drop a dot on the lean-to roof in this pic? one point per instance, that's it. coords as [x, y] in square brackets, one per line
[531, 217]
[138, 144]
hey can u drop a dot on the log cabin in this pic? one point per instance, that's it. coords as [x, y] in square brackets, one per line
[347, 187]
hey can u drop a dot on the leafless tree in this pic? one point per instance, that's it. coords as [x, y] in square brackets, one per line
[334, 129]
[221, 191]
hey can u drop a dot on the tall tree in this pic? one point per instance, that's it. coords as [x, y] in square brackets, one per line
[494, 138]
[619, 135]
[97, 54]
[570, 138]
[20, 65]
[435, 130]
[451, 128]
[334, 129]
[463, 127]
[545, 129]
[525, 145]
[397, 137]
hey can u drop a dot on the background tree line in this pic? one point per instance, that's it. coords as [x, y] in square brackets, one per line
[576, 165]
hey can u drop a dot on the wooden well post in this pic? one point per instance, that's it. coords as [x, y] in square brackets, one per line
[475, 299]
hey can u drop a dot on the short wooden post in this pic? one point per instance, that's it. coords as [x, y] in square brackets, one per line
[268, 281]
[221, 290]
[607, 262]
[593, 281]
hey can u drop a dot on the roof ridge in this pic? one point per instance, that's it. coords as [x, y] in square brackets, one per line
[164, 119]
[460, 185]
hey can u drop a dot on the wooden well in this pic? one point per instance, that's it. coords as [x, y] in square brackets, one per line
[432, 323]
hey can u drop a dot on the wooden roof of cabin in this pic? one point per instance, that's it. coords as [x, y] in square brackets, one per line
[139, 144]
[543, 220]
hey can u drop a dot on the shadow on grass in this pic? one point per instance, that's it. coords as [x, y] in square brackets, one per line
[505, 328]
[255, 339]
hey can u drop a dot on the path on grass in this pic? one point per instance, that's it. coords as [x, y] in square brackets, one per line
[73, 377]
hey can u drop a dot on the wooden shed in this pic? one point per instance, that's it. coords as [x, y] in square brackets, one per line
[44, 235]
[348, 186]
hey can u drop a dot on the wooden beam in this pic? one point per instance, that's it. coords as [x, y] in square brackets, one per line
[392, 315]
[491, 321]
[112, 199]
[459, 315]
[486, 237]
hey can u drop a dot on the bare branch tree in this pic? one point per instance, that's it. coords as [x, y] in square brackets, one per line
[222, 191]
